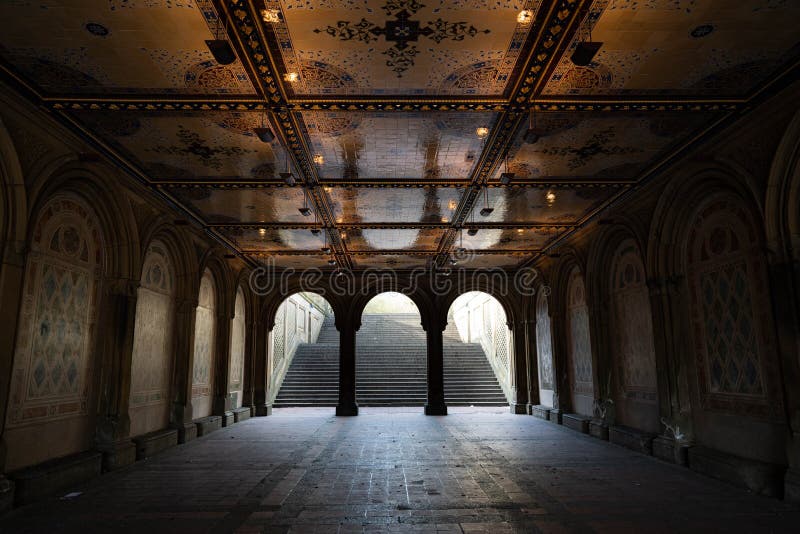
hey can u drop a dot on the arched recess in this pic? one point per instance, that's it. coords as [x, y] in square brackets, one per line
[478, 350]
[734, 361]
[579, 345]
[153, 342]
[238, 337]
[51, 403]
[632, 348]
[205, 332]
[544, 349]
[304, 318]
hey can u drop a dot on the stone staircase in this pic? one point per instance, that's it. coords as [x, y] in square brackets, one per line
[390, 367]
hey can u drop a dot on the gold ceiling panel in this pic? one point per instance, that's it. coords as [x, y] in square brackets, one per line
[390, 261]
[529, 239]
[396, 146]
[489, 261]
[531, 204]
[191, 146]
[244, 205]
[401, 47]
[118, 46]
[291, 261]
[664, 47]
[357, 205]
[375, 239]
[595, 146]
[274, 239]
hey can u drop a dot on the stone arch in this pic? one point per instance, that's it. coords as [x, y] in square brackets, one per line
[181, 252]
[511, 306]
[237, 349]
[635, 388]
[544, 349]
[274, 298]
[420, 298]
[152, 360]
[53, 389]
[580, 368]
[782, 209]
[13, 201]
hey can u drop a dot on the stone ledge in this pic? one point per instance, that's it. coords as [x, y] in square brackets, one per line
[207, 425]
[576, 422]
[555, 416]
[117, 454]
[187, 432]
[540, 411]
[228, 418]
[631, 438]
[759, 477]
[38, 481]
[599, 430]
[150, 444]
[240, 414]
[664, 448]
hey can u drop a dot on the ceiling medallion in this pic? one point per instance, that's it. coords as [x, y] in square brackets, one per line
[400, 31]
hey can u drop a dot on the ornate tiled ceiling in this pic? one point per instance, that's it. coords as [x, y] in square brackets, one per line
[376, 107]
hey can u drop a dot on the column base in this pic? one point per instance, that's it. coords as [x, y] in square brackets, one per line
[263, 410]
[186, 432]
[519, 409]
[347, 410]
[529, 408]
[117, 454]
[436, 409]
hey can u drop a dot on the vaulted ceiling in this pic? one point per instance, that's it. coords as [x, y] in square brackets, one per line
[380, 124]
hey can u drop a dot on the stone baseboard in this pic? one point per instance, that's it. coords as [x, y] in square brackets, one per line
[529, 409]
[263, 410]
[598, 430]
[45, 479]
[187, 432]
[664, 448]
[118, 454]
[576, 422]
[518, 409]
[207, 425]
[759, 477]
[228, 418]
[343, 410]
[555, 416]
[240, 414]
[432, 409]
[148, 445]
[631, 438]
[540, 411]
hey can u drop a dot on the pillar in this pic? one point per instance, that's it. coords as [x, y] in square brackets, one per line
[347, 369]
[262, 355]
[181, 416]
[519, 378]
[435, 368]
[532, 359]
[221, 403]
[116, 327]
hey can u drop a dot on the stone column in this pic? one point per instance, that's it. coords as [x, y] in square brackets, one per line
[116, 328]
[249, 361]
[221, 404]
[532, 364]
[519, 372]
[347, 369]
[261, 358]
[181, 416]
[12, 272]
[435, 366]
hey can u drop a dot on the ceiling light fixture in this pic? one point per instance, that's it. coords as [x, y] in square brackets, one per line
[291, 77]
[331, 262]
[524, 16]
[319, 159]
[270, 16]
[482, 132]
[531, 134]
[506, 177]
[305, 210]
[263, 132]
[486, 210]
[220, 48]
[472, 231]
[287, 177]
[585, 50]
[262, 232]
[550, 197]
[520, 230]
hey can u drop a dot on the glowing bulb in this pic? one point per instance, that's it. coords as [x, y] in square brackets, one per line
[344, 235]
[482, 132]
[444, 219]
[319, 159]
[550, 197]
[270, 15]
[524, 16]
[262, 232]
[452, 205]
[520, 230]
[328, 189]
[291, 77]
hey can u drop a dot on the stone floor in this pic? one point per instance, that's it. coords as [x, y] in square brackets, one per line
[395, 470]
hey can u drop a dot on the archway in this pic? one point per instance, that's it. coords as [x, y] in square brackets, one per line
[391, 353]
[303, 347]
[477, 352]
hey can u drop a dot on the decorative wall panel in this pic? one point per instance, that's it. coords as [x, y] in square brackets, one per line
[579, 343]
[544, 343]
[238, 335]
[153, 341]
[731, 320]
[204, 340]
[50, 379]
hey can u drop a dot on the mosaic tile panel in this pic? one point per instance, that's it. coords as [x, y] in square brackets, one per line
[544, 343]
[396, 145]
[402, 205]
[244, 205]
[489, 261]
[236, 363]
[378, 239]
[681, 48]
[530, 205]
[275, 240]
[528, 239]
[390, 261]
[579, 344]
[204, 351]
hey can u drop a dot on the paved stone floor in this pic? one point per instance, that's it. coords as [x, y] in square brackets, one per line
[395, 470]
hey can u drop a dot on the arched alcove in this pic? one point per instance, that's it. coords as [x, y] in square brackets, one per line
[236, 363]
[205, 331]
[579, 346]
[544, 350]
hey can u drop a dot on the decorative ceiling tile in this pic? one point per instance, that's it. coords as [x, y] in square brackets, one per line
[529, 239]
[490, 261]
[245, 205]
[367, 239]
[390, 261]
[274, 239]
[356, 205]
[531, 205]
